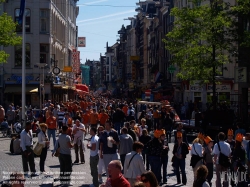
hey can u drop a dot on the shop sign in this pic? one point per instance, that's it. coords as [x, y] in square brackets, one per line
[196, 88]
[134, 58]
[18, 79]
[219, 88]
[67, 69]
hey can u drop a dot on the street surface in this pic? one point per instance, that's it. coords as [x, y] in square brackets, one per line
[81, 172]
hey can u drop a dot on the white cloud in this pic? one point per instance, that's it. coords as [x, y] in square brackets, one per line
[91, 3]
[104, 21]
[107, 16]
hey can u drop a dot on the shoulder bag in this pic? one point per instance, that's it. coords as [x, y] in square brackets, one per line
[223, 159]
[195, 158]
[38, 149]
[131, 159]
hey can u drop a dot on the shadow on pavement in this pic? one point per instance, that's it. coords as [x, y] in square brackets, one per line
[55, 166]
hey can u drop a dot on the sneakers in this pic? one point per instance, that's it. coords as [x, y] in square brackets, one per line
[76, 162]
[100, 181]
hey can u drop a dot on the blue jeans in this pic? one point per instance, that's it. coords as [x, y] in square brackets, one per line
[53, 133]
[118, 127]
[164, 163]
[155, 164]
[180, 164]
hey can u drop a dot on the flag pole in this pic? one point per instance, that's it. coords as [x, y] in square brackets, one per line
[23, 67]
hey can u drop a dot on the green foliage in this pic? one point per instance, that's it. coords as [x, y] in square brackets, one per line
[8, 36]
[200, 41]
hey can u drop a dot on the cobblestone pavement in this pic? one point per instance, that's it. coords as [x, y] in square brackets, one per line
[81, 175]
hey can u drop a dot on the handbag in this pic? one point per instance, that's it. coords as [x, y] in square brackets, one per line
[223, 159]
[57, 153]
[38, 149]
[195, 158]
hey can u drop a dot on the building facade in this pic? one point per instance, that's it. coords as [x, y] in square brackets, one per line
[51, 33]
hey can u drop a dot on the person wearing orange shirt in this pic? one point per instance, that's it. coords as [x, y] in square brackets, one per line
[93, 118]
[103, 117]
[82, 104]
[85, 120]
[125, 109]
[70, 109]
[156, 116]
[51, 121]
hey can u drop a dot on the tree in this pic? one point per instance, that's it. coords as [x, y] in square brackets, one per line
[200, 41]
[8, 36]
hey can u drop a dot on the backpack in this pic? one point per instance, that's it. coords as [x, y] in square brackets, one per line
[223, 159]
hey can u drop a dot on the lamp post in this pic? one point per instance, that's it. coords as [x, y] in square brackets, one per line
[42, 66]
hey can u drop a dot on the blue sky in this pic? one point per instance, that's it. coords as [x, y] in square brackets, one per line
[100, 24]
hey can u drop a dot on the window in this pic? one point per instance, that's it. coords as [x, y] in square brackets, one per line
[18, 56]
[44, 53]
[44, 21]
[27, 24]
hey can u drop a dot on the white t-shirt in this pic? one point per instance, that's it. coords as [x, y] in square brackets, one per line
[225, 149]
[94, 140]
[79, 133]
[205, 184]
[198, 148]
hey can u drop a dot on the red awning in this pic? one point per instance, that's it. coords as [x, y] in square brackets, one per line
[80, 92]
[82, 87]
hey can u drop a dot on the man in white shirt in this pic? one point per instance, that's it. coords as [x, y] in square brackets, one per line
[94, 157]
[78, 131]
[27, 150]
[226, 150]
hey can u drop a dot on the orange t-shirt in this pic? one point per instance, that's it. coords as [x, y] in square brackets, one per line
[74, 107]
[156, 114]
[93, 118]
[70, 108]
[103, 118]
[82, 104]
[85, 118]
[125, 110]
[69, 121]
[69, 131]
[51, 122]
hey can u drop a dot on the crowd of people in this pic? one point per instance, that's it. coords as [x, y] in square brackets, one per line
[133, 150]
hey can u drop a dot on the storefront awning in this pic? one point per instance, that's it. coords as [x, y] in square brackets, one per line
[34, 90]
[18, 89]
[65, 87]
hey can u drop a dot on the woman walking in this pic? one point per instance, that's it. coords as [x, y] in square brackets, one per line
[197, 153]
[43, 139]
[208, 159]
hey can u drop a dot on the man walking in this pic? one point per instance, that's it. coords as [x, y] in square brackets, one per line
[78, 130]
[10, 117]
[108, 145]
[52, 126]
[27, 150]
[65, 156]
[94, 157]
[224, 148]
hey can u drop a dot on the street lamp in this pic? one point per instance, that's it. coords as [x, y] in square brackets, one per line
[42, 95]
